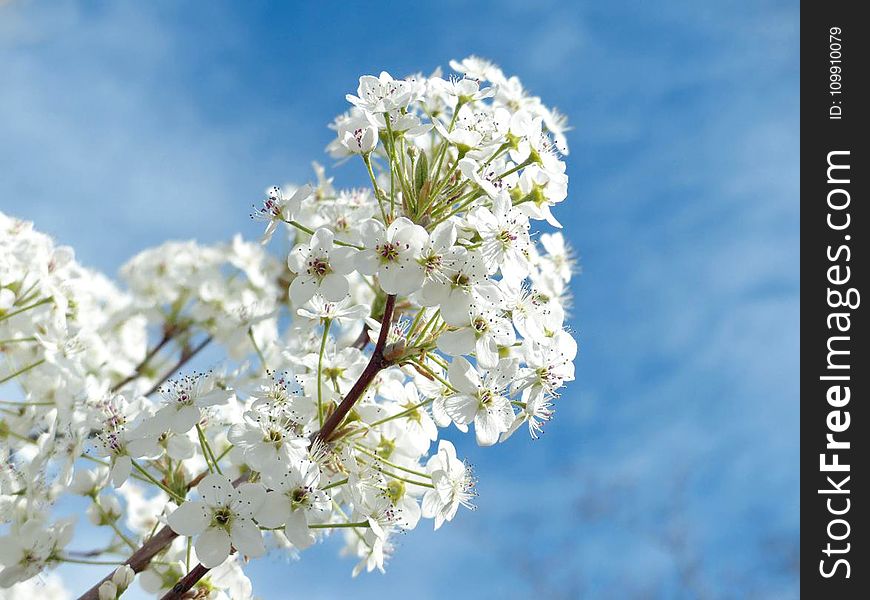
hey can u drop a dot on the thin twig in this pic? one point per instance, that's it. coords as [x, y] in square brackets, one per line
[185, 583]
[185, 357]
[375, 365]
[362, 339]
[137, 372]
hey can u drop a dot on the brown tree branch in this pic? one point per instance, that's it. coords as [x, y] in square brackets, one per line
[374, 366]
[185, 583]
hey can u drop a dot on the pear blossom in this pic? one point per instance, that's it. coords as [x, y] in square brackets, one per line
[321, 268]
[222, 518]
[483, 333]
[30, 547]
[454, 485]
[184, 398]
[481, 400]
[381, 94]
[391, 253]
[278, 207]
[294, 501]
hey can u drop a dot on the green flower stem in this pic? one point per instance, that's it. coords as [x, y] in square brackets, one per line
[404, 413]
[11, 403]
[135, 476]
[326, 325]
[22, 370]
[17, 340]
[368, 161]
[334, 484]
[123, 537]
[225, 452]
[366, 451]
[393, 162]
[206, 448]
[457, 210]
[497, 153]
[443, 183]
[414, 323]
[257, 348]
[151, 478]
[425, 329]
[343, 514]
[83, 561]
[310, 231]
[338, 525]
[433, 374]
[24, 309]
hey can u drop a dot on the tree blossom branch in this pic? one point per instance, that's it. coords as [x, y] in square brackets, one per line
[140, 559]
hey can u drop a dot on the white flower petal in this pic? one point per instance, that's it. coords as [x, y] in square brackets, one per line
[247, 537]
[190, 518]
[212, 547]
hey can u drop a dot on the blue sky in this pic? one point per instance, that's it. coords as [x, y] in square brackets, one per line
[671, 470]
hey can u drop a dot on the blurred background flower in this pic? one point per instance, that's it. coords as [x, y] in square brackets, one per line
[671, 469]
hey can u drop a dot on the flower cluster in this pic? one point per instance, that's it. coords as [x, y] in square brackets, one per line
[420, 303]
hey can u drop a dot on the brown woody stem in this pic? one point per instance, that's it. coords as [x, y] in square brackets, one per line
[375, 365]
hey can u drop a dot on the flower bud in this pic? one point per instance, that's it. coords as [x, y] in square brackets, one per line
[108, 591]
[123, 577]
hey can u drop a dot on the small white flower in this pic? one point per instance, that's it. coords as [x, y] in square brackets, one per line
[294, 501]
[321, 268]
[278, 207]
[30, 547]
[392, 254]
[269, 435]
[454, 485]
[221, 519]
[481, 401]
[357, 135]
[483, 334]
[318, 309]
[183, 399]
[381, 94]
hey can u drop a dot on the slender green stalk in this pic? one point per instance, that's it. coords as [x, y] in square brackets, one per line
[414, 323]
[433, 374]
[428, 324]
[257, 348]
[522, 165]
[83, 561]
[368, 161]
[123, 537]
[338, 525]
[334, 484]
[22, 370]
[206, 448]
[404, 413]
[326, 325]
[392, 166]
[11, 403]
[225, 452]
[17, 340]
[310, 231]
[9, 315]
[151, 478]
[135, 476]
[366, 451]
